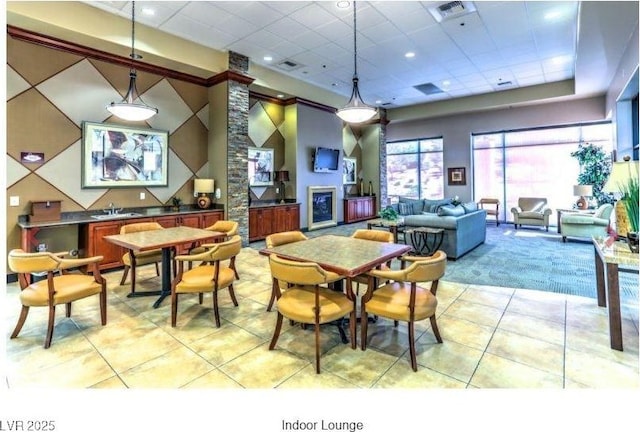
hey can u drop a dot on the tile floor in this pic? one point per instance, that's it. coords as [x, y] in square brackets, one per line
[493, 338]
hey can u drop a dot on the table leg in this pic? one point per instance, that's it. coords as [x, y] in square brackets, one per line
[615, 318]
[394, 231]
[166, 280]
[600, 288]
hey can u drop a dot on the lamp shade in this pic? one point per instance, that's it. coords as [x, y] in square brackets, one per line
[204, 185]
[282, 176]
[583, 190]
[621, 172]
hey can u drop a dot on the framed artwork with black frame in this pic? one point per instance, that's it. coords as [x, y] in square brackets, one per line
[457, 176]
[116, 156]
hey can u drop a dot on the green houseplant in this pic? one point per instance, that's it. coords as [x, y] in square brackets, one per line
[630, 201]
[388, 213]
[595, 167]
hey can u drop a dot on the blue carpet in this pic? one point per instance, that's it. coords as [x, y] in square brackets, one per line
[527, 258]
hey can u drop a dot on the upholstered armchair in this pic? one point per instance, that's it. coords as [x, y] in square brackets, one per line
[584, 224]
[531, 211]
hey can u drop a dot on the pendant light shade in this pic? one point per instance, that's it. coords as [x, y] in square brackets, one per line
[356, 111]
[127, 109]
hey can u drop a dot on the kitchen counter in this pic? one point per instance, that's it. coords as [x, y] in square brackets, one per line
[76, 218]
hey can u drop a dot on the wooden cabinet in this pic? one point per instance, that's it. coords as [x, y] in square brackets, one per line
[359, 208]
[94, 244]
[272, 219]
[91, 238]
[286, 218]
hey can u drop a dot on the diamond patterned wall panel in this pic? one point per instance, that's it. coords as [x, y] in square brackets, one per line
[15, 83]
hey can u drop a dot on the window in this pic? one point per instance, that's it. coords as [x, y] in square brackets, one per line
[414, 169]
[532, 163]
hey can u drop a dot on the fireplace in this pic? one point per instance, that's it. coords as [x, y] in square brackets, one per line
[322, 210]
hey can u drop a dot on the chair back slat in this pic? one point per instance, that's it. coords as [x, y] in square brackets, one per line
[23, 262]
[374, 235]
[139, 227]
[285, 237]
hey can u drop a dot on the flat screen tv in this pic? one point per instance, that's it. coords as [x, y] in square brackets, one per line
[326, 159]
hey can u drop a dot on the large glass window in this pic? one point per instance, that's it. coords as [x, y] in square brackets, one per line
[414, 169]
[532, 163]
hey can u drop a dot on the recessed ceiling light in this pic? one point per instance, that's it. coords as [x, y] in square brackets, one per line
[446, 83]
[378, 102]
[148, 11]
[280, 95]
[552, 15]
[410, 54]
[267, 58]
[343, 4]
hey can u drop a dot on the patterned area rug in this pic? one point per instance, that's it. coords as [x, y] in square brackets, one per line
[528, 258]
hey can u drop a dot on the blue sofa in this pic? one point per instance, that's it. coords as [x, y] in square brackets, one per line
[464, 224]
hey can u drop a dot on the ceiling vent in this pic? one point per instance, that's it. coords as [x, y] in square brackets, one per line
[454, 9]
[428, 89]
[288, 65]
[505, 83]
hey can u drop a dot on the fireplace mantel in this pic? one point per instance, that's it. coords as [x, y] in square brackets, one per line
[322, 207]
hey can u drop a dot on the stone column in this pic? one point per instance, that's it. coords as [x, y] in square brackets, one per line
[382, 146]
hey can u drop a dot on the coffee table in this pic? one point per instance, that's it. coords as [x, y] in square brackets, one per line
[394, 226]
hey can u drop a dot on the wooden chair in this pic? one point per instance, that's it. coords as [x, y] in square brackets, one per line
[307, 301]
[491, 206]
[230, 228]
[402, 299]
[133, 260]
[374, 235]
[211, 277]
[60, 286]
[278, 239]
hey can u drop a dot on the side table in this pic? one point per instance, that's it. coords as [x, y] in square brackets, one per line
[392, 225]
[425, 241]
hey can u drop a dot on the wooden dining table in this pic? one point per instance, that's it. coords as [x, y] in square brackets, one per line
[346, 256]
[166, 239]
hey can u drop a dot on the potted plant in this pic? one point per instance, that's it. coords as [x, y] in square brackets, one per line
[630, 201]
[595, 167]
[388, 213]
[175, 203]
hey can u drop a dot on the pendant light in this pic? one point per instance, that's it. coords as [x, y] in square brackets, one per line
[127, 109]
[355, 111]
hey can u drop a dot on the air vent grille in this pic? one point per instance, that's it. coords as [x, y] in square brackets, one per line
[288, 65]
[450, 10]
[428, 89]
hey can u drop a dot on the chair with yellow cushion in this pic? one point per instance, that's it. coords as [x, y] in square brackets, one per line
[278, 239]
[373, 235]
[60, 286]
[306, 301]
[402, 299]
[132, 260]
[212, 276]
[230, 228]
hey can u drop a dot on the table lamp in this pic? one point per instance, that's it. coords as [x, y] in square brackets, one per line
[203, 187]
[282, 176]
[582, 191]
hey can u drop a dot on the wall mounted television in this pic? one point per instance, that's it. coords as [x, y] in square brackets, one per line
[325, 160]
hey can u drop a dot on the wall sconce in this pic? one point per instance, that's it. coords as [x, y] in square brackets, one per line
[281, 177]
[203, 187]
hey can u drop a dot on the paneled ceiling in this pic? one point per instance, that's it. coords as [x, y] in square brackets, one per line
[459, 48]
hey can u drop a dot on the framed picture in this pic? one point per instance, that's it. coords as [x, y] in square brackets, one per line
[457, 176]
[119, 156]
[260, 167]
[349, 170]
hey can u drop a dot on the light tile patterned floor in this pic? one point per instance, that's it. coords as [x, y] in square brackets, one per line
[493, 338]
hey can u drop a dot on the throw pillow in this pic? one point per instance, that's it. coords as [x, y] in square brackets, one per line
[449, 210]
[405, 209]
[470, 207]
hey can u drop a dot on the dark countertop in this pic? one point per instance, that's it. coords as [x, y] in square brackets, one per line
[260, 204]
[76, 218]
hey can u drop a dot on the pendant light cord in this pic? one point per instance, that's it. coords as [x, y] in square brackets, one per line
[355, 46]
[133, 32]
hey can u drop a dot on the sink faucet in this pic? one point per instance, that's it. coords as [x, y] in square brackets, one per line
[112, 210]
